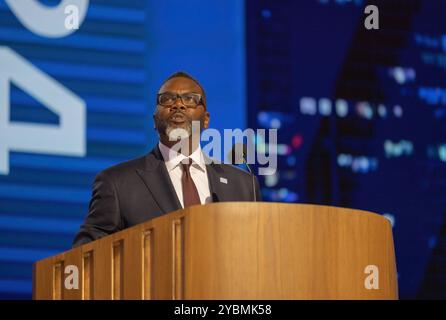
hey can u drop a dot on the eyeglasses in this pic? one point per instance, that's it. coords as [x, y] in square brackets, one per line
[189, 99]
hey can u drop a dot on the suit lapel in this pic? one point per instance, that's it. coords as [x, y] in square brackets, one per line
[157, 180]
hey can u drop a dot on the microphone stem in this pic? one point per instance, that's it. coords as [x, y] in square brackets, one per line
[252, 179]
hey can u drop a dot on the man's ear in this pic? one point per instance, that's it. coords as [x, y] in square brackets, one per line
[207, 117]
[154, 121]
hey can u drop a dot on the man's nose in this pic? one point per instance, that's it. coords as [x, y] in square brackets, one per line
[178, 104]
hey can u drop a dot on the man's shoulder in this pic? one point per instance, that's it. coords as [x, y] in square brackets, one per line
[123, 168]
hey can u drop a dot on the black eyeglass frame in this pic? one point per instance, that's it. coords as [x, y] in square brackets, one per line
[177, 95]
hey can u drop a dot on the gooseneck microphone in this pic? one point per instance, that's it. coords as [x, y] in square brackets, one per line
[238, 157]
[253, 178]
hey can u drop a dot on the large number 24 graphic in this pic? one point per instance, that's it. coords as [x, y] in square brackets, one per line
[69, 136]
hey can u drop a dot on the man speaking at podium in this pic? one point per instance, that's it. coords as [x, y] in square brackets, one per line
[165, 180]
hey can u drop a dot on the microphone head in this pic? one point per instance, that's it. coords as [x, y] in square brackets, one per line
[238, 153]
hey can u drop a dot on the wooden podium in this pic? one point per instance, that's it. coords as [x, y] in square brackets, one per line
[232, 250]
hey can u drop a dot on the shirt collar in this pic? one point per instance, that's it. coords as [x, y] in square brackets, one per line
[172, 158]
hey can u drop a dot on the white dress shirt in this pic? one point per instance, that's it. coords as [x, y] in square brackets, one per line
[198, 172]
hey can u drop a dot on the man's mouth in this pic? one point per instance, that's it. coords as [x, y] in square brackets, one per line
[178, 118]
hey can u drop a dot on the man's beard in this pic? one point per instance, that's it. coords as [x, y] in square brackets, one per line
[176, 132]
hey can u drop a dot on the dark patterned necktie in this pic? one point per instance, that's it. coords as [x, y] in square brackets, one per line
[190, 193]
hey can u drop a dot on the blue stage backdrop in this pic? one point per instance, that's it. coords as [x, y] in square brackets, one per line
[102, 79]
[361, 116]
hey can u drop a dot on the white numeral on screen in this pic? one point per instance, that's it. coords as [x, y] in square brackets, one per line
[48, 21]
[67, 138]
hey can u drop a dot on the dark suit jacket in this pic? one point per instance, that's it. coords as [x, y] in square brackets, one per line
[139, 190]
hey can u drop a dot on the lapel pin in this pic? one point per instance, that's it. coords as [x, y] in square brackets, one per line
[224, 180]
